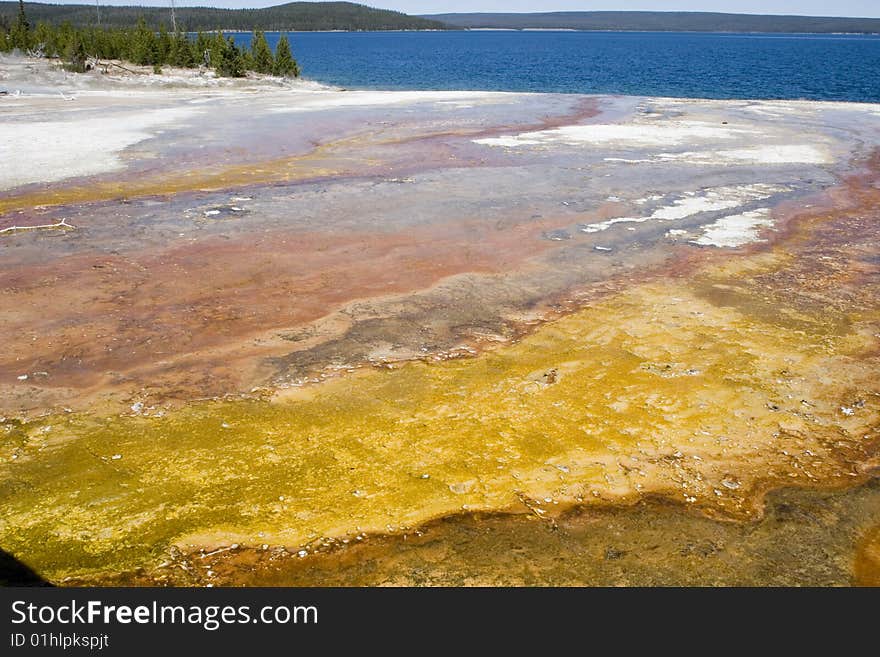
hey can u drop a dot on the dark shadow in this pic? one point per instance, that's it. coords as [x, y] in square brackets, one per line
[14, 573]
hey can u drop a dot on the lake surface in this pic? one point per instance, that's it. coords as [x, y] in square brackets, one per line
[690, 65]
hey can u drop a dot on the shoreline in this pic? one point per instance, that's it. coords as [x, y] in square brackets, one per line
[201, 78]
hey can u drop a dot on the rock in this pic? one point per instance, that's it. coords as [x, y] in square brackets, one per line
[613, 553]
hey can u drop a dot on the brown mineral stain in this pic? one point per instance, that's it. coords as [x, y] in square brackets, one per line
[209, 306]
[649, 544]
[867, 564]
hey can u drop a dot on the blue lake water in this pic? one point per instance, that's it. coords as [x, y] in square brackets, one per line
[690, 65]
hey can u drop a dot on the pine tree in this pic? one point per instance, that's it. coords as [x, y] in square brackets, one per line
[5, 36]
[144, 45]
[226, 58]
[181, 53]
[261, 53]
[22, 18]
[163, 46]
[75, 54]
[218, 51]
[285, 64]
[43, 40]
[203, 49]
[21, 37]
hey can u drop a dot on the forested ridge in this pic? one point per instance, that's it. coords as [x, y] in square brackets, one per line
[661, 21]
[304, 16]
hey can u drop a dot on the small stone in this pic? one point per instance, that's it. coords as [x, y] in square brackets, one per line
[302, 553]
[116, 457]
[462, 487]
[23, 377]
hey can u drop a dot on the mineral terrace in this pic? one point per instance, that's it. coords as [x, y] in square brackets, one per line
[258, 333]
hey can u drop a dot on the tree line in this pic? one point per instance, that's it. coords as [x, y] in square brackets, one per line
[300, 16]
[147, 47]
[661, 21]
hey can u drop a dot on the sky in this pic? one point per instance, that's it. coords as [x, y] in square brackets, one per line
[861, 8]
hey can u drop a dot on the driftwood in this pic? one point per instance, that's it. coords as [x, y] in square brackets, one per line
[104, 65]
[61, 225]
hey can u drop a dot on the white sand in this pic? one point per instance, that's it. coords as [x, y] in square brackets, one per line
[310, 101]
[625, 135]
[735, 230]
[779, 154]
[48, 151]
[711, 200]
[766, 154]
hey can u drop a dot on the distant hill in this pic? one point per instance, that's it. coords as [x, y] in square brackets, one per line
[304, 16]
[660, 21]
